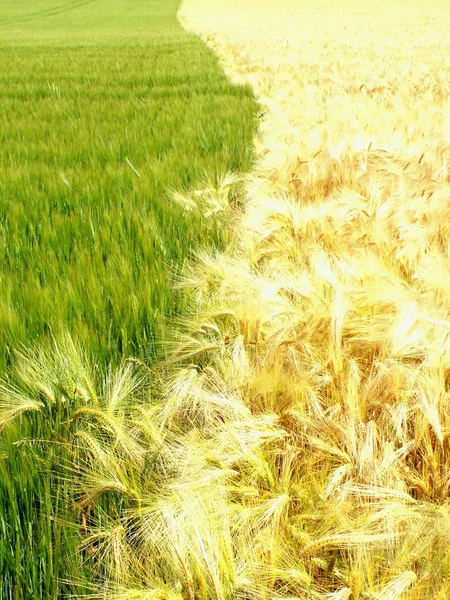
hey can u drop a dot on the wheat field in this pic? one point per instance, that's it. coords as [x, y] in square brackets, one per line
[296, 444]
[105, 106]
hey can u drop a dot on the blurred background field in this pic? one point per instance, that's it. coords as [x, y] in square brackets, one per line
[104, 107]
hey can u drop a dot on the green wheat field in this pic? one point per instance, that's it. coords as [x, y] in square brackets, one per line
[103, 107]
[106, 108]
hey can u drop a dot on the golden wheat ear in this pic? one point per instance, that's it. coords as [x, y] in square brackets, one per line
[213, 196]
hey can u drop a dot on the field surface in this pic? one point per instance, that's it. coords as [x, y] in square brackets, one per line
[105, 106]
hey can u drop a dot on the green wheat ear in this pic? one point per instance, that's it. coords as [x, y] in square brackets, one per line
[13, 402]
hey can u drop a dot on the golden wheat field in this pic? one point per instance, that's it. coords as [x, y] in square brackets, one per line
[315, 413]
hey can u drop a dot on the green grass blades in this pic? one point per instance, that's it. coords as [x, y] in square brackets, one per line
[103, 106]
